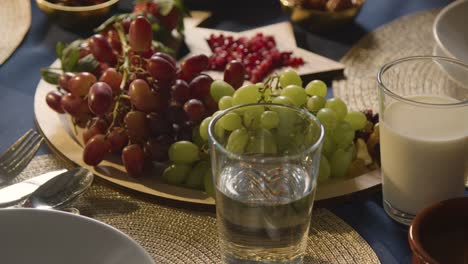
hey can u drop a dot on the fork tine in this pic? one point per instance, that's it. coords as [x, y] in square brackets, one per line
[20, 153]
[19, 149]
[21, 162]
[15, 145]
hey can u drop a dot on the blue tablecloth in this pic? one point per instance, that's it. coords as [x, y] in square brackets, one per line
[20, 74]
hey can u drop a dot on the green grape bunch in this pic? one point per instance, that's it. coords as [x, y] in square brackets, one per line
[340, 124]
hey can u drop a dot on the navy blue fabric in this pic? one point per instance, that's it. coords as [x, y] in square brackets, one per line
[20, 74]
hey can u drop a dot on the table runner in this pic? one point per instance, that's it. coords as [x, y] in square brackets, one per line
[175, 235]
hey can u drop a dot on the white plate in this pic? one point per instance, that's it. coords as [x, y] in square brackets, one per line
[61, 138]
[451, 36]
[52, 237]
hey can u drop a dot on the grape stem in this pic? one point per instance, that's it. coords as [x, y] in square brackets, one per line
[125, 50]
[125, 70]
[115, 111]
[272, 83]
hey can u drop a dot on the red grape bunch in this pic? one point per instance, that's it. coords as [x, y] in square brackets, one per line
[137, 102]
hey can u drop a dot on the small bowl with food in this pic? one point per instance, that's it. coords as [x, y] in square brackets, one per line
[77, 14]
[320, 15]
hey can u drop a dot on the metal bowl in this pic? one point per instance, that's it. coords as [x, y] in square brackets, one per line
[76, 17]
[319, 20]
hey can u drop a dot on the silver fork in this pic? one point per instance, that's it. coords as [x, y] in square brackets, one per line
[18, 155]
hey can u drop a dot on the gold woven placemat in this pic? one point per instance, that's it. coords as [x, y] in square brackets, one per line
[15, 20]
[406, 36]
[173, 235]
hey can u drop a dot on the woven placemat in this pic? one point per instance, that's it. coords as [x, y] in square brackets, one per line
[406, 36]
[174, 235]
[15, 20]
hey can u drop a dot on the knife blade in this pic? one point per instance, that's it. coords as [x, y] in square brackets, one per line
[18, 191]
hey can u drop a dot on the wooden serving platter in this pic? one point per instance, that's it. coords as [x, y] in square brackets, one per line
[63, 139]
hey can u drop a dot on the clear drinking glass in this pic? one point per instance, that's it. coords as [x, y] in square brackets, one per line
[423, 133]
[265, 160]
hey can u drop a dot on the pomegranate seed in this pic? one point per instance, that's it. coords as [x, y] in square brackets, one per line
[258, 54]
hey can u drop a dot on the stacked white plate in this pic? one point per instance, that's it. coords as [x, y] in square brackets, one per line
[450, 31]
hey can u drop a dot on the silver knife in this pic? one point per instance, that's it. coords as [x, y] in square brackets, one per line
[16, 192]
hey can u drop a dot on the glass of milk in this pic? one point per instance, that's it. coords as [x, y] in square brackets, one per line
[423, 133]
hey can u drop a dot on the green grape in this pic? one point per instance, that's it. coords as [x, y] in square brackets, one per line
[251, 116]
[225, 102]
[296, 93]
[315, 103]
[340, 162]
[282, 100]
[337, 105]
[316, 87]
[289, 77]
[208, 183]
[219, 132]
[247, 94]
[195, 177]
[230, 121]
[176, 173]
[196, 137]
[357, 120]
[298, 142]
[288, 120]
[324, 169]
[237, 141]
[312, 134]
[184, 152]
[329, 146]
[286, 134]
[260, 85]
[262, 142]
[216, 113]
[343, 134]
[282, 143]
[269, 119]
[204, 128]
[220, 88]
[328, 118]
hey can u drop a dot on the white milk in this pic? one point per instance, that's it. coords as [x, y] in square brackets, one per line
[424, 152]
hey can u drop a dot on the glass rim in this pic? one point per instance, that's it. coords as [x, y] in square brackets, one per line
[390, 64]
[216, 144]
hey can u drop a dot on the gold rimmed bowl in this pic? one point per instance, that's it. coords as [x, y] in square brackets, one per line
[319, 20]
[77, 17]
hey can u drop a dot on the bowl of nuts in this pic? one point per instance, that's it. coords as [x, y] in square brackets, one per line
[320, 15]
[76, 14]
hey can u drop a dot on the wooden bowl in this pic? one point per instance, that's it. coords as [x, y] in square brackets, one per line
[319, 20]
[76, 17]
[439, 234]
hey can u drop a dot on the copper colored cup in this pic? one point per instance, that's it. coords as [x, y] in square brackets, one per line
[439, 234]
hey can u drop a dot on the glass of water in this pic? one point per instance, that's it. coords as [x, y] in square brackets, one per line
[265, 160]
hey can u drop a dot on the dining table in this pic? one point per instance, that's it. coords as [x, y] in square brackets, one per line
[364, 212]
